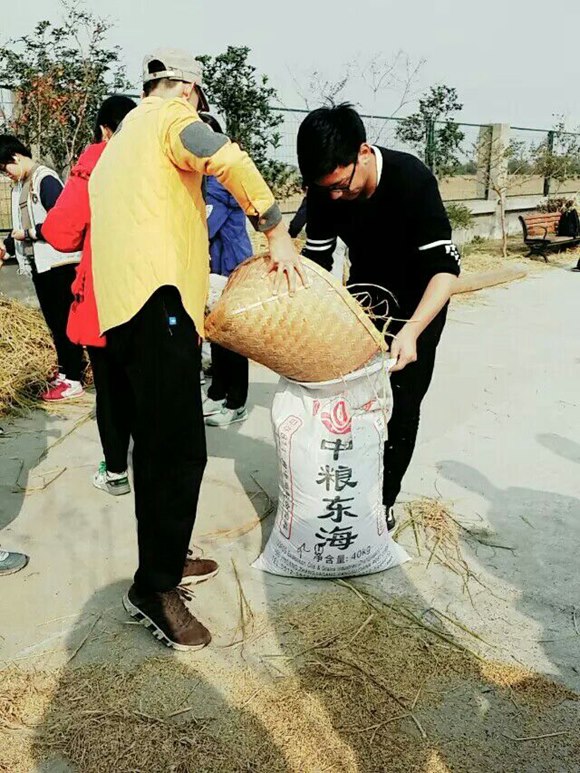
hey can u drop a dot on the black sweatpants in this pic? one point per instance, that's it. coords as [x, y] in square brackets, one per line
[53, 289]
[229, 377]
[113, 407]
[410, 386]
[158, 354]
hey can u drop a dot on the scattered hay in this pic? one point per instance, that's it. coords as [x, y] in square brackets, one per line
[368, 688]
[437, 537]
[535, 690]
[27, 356]
[486, 255]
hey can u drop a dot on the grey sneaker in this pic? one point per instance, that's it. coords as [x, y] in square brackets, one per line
[113, 483]
[212, 406]
[10, 563]
[227, 416]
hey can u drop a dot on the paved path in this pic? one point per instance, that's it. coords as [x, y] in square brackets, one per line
[500, 439]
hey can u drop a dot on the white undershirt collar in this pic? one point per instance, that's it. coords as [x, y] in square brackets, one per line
[379, 160]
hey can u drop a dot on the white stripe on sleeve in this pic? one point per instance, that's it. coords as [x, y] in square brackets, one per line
[439, 243]
[321, 248]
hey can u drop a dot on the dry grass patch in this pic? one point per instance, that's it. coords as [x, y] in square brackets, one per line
[356, 685]
[26, 355]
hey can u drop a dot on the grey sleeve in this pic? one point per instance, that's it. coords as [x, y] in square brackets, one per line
[268, 220]
[201, 141]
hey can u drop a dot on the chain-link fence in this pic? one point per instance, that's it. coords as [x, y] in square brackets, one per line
[458, 153]
[541, 162]
[461, 167]
[524, 149]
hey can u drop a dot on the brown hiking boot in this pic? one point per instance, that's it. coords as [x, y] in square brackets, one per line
[167, 617]
[198, 570]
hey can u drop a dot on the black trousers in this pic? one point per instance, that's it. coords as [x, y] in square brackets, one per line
[158, 355]
[55, 298]
[230, 377]
[410, 386]
[113, 407]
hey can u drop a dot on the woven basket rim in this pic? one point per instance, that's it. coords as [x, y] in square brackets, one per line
[346, 297]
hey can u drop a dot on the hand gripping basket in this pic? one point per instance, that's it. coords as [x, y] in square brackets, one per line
[319, 334]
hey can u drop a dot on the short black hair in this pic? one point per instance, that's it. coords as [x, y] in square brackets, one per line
[211, 121]
[111, 113]
[327, 138]
[9, 147]
[151, 86]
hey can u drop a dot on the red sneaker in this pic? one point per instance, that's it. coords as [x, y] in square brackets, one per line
[63, 390]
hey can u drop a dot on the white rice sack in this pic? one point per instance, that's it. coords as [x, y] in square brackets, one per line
[330, 442]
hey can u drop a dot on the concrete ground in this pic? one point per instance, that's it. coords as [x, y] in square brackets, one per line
[15, 286]
[499, 441]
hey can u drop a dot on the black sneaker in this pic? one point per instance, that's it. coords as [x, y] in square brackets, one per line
[391, 521]
[167, 617]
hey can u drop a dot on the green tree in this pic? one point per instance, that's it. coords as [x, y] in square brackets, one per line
[557, 157]
[245, 100]
[433, 131]
[59, 75]
[459, 215]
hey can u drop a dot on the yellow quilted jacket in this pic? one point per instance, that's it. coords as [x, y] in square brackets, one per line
[148, 217]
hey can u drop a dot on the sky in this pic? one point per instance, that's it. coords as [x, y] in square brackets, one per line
[511, 61]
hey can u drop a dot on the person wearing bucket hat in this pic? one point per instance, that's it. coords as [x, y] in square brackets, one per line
[150, 252]
[386, 206]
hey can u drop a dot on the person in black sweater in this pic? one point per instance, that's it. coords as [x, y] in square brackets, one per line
[385, 205]
[299, 220]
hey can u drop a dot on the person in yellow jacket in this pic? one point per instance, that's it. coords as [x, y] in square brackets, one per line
[150, 267]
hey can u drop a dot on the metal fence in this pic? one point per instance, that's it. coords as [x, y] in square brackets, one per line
[464, 174]
[527, 144]
[463, 177]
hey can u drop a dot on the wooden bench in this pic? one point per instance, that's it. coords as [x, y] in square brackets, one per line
[541, 233]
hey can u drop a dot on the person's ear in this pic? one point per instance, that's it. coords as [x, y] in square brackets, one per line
[365, 153]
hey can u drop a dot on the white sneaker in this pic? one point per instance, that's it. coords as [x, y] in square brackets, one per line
[211, 407]
[10, 563]
[114, 483]
[227, 416]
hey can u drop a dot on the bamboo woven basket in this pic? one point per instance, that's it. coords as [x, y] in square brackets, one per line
[319, 334]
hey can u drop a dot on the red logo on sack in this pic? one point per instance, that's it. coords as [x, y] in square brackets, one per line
[315, 407]
[338, 421]
[369, 406]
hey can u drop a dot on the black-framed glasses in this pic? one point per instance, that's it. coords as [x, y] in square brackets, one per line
[341, 187]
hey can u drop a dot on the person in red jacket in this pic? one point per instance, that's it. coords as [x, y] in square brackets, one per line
[67, 228]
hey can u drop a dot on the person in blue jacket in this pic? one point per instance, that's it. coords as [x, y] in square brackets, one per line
[229, 245]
